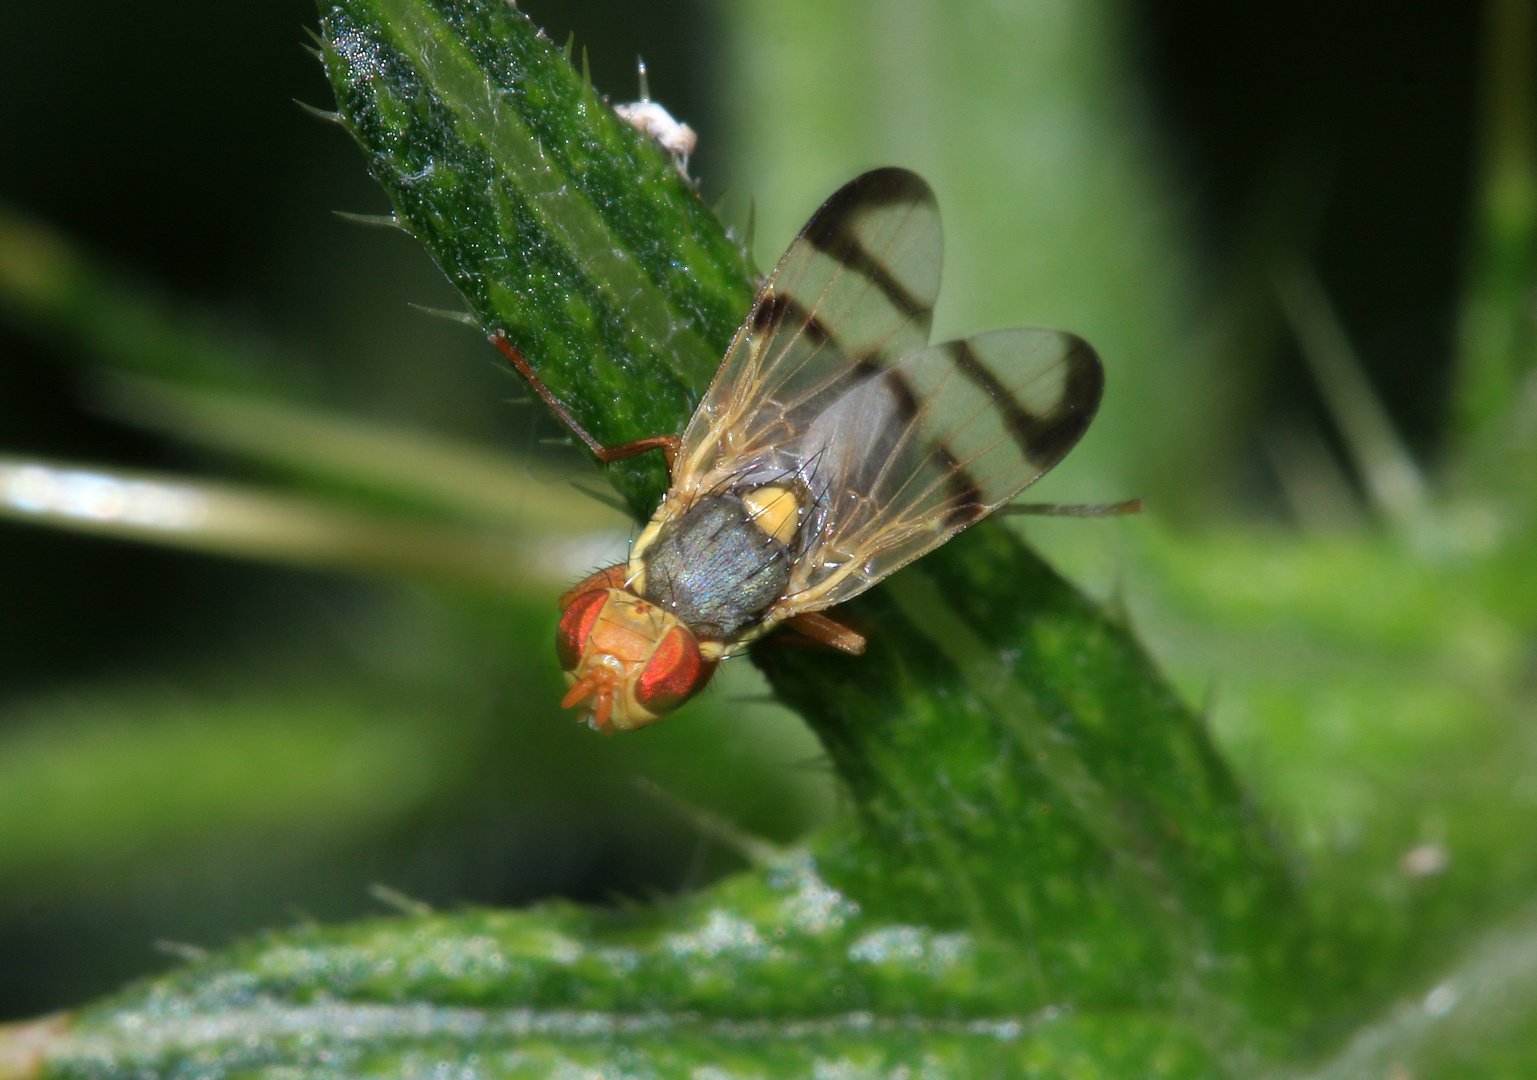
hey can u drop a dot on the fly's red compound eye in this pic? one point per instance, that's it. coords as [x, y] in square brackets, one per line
[575, 627]
[674, 673]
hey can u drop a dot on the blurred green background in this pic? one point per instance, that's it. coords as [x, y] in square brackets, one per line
[193, 747]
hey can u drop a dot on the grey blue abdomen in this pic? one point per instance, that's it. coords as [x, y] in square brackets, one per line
[715, 569]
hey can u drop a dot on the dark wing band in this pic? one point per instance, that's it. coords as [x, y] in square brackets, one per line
[830, 381]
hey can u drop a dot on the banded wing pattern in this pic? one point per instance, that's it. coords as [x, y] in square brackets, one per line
[853, 294]
[832, 381]
[971, 424]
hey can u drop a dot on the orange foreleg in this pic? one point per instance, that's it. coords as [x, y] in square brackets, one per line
[667, 444]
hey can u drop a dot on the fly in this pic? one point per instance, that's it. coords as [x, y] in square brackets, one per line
[834, 446]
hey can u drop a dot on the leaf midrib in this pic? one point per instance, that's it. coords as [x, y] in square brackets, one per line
[458, 81]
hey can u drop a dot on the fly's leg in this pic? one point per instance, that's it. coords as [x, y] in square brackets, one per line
[820, 628]
[667, 444]
[499, 339]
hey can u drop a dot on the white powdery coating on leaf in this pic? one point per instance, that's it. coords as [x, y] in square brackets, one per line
[619, 960]
[715, 1072]
[459, 958]
[815, 907]
[722, 933]
[911, 945]
[844, 1069]
[560, 949]
[358, 51]
[265, 1021]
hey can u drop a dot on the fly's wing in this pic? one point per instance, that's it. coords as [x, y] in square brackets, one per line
[853, 294]
[919, 450]
[829, 382]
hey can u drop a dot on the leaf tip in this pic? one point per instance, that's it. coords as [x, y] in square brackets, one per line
[378, 221]
[399, 901]
[464, 318]
[756, 850]
[324, 115]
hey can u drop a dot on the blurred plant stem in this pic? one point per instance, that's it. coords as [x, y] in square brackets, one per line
[48, 286]
[386, 499]
[1496, 399]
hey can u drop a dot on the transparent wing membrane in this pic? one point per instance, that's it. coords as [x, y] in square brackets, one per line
[855, 291]
[831, 381]
[970, 425]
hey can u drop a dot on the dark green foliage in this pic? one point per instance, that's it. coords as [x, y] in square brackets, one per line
[1007, 775]
[559, 223]
[1047, 864]
[1046, 868]
[1022, 771]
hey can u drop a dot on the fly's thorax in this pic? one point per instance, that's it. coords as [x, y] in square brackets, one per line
[720, 563]
[635, 577]
[629, 659]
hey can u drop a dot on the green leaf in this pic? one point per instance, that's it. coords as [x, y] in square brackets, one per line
[179, 771]
[439, 477]
[1048, 867]
[1022, 774]
[561, 225]
[1022, 771]
[773, 975]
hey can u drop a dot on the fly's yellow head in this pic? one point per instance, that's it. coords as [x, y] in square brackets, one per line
[628, 660]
